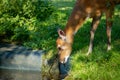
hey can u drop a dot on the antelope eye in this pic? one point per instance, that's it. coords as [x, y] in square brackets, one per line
[59, 48]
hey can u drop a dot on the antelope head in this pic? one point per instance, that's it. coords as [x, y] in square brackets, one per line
[64, 48]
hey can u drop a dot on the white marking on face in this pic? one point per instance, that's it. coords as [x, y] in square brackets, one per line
[88, 16]
[62, 62]
[66, 58]
[58, 45]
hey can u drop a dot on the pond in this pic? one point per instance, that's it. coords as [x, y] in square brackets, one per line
[25, 75]
[20, 63]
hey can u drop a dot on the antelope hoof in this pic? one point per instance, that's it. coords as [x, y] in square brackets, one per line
[109, 48]
[88, 53]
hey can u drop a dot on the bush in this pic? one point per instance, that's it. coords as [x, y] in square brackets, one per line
[18, 18]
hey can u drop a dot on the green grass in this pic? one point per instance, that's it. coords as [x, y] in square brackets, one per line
[100, 65]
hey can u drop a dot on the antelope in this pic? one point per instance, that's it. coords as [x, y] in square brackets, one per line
[85, 9]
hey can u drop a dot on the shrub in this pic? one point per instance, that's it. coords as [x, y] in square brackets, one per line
[18, 18]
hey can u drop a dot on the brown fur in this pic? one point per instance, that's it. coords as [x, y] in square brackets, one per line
[82, 10]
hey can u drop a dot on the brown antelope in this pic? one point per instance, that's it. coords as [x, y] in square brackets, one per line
[82, 10]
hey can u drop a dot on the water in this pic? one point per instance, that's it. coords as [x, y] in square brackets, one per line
[25, 75]
[20, 63]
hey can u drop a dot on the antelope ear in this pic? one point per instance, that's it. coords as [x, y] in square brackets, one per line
[61, 34]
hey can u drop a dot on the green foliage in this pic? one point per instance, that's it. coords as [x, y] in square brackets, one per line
[35, 23]
[20, 18]
[26, 8]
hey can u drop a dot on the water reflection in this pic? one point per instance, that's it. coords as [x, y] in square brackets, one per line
[24, 75]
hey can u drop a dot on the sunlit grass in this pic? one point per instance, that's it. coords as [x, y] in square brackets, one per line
[101, 64]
